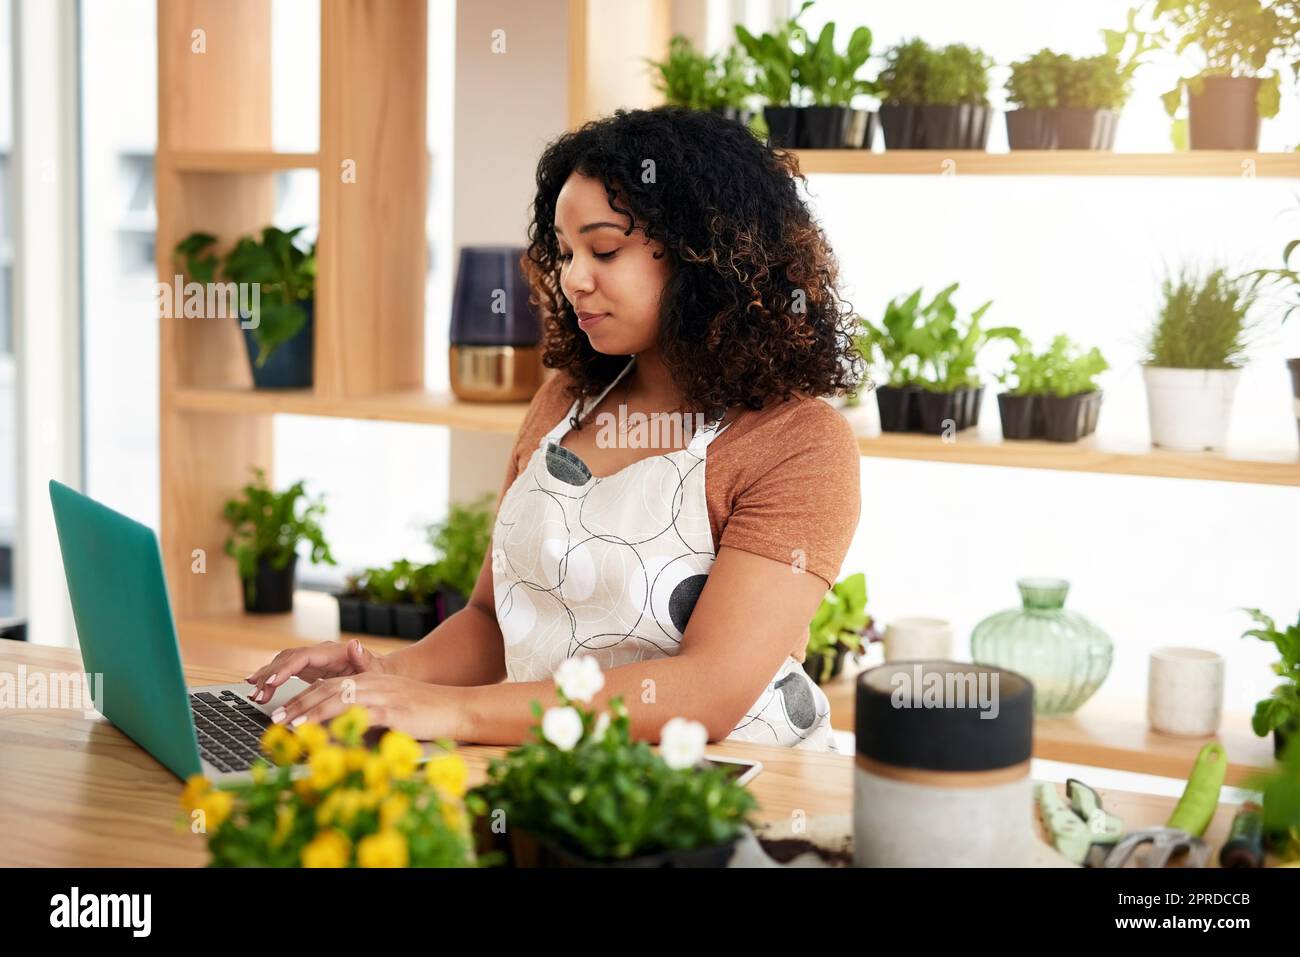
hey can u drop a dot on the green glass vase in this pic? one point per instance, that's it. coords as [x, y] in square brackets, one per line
[1065, 655]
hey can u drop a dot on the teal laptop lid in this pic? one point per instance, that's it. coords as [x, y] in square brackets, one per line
[124, 625]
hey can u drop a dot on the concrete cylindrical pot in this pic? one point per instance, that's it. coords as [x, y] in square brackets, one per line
[1185, 692]
[918, 639]
[1190, 409]
[941, 774]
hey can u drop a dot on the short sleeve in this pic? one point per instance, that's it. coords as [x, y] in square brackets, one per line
[803, 507]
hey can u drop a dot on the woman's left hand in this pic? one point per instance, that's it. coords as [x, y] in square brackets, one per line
[422, 710]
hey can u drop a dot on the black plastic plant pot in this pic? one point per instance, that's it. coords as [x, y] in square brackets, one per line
[938, 409]
[272, 589]
[901, 125]
[979, 122]
[1064, 417]
[945, 127]
[290, 365]
[350, 613]
[974, 399]
[900, 410]
[1085, 129]
[862, 130]
[1224, 115]
[1018, 416]
[782, 125]
[414, 621]
[1092, 410]
[738, 114]
[530, 850]
[378, 618]
[814, 665]
[1031, 130]
[824, 127]
[1294, 366]
[448, 601]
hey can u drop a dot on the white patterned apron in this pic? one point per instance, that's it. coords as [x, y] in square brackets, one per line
[612, 567]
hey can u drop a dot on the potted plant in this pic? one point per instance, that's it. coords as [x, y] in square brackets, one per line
[1195, 351]
[384, 588]
[417, 613]
[637, 808]
[775, 75]
[266, 527]
[461, 542]
[1235, 44]
[698, 82]
[1055, 396]
[1289, 280]
[893, 342]
[829, 121]
[934, 99]
[1279, 713]
[279, 337]
[352, 602]
[1065, 102]
[1279, 791]
[839, 627]
[322, 798]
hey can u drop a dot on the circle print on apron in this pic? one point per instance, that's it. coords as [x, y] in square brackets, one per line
[612, 567]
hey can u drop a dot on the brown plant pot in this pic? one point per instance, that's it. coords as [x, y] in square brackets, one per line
[1224, 115]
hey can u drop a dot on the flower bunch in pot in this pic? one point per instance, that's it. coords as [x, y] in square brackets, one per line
[929, 357]
[323, 797]
[266, 528]
[1235, 50]
[1279, 713]
[810, 86]
[582, 793]
[1287, 280]
[1064, 102]
[1195, 351]
[278, 328]
[720, 82]
[1054, 395]
[839, 627]
[934, 98]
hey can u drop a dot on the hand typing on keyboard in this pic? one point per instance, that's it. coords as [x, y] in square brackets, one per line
[329, 659]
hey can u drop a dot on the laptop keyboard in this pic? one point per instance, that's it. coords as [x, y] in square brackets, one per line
[229, 729]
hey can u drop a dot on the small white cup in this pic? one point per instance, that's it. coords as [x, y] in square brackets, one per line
[1185, 692]
[918, 639]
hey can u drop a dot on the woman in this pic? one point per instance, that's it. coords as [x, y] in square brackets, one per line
[690, 286]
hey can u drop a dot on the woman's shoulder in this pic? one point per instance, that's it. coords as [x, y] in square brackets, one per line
[796, 424]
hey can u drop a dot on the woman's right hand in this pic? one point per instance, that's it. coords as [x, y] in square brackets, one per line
[329, 659]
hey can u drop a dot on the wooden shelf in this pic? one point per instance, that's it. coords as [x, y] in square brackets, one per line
[1050, 163]
[422, 407]
[237, 161]
[1093, 454]
[238, 642]
[1112, 733]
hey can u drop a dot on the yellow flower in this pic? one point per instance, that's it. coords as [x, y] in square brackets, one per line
[384, 849]
[282, 746]
[216, 807]
[448, 773]
[196, 785]
[328, 765]
[258, 771]
[453, 815]
[327, 849]
[393, 809]
[356, 758]
[401, 751]
[284, 815]
[311, 736]
[305, 790]
[376, 772]
[351, 724]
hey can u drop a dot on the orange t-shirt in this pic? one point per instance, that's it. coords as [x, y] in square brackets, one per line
[781, 482]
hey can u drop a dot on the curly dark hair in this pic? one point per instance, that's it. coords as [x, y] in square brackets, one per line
[750, 310]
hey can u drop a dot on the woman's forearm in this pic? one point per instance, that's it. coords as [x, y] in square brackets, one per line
[466, 649]
[653, 691]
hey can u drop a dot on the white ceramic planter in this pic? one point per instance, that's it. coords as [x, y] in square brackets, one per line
[918, 639]
[1185, 692]
[1190, 408]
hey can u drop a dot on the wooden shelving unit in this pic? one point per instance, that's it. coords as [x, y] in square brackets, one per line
[1215, 163]
[237, 161]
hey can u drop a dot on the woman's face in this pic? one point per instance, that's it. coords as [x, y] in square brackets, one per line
[606, 274]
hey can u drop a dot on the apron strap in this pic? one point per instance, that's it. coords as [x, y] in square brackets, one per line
[565, 424]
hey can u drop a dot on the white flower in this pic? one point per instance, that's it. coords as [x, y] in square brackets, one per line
[681, 742]
[562, 727]
[602, 725]
[579, 678]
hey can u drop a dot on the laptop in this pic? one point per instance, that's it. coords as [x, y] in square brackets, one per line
[126, 631]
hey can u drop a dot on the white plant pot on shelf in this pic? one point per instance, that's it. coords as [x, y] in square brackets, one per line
[1190, 408]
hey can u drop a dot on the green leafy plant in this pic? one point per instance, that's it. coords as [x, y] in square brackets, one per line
[1280, 799]
[461, 542]
[267, 526]
[1286, 279]
[284, 274]
[829, 76]
[916, 73]
[840, 620]
[401, 581]
[1204, 322]
[1281, 709]
[1060, 370]
[691, 79]
[1229, 38]
[1050, 80]
[607, 797]
[775, 59]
